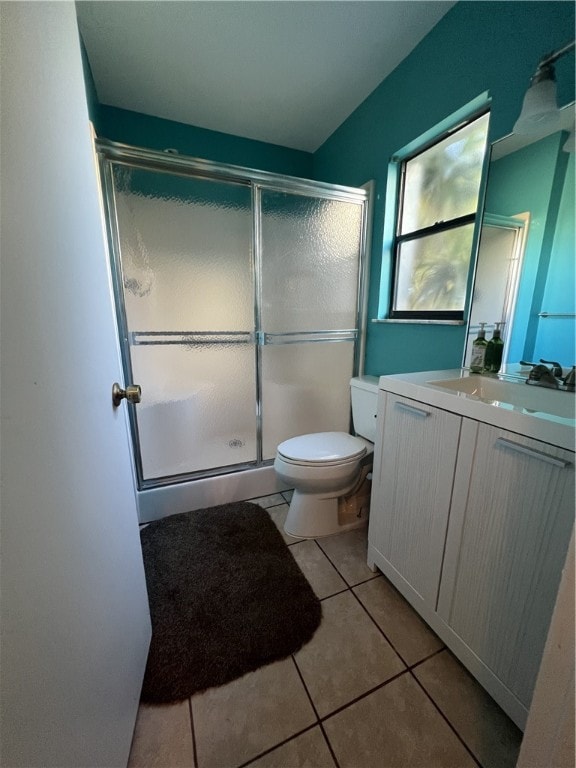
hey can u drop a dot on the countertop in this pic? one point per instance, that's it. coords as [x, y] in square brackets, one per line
[542, 420]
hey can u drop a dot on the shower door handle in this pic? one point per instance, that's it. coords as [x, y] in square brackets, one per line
[132, 393]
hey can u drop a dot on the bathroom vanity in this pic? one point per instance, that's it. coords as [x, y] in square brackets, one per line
[471, 514]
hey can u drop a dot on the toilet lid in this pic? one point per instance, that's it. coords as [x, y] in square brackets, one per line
[322, 447]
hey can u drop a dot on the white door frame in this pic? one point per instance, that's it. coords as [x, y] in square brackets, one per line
[519, 223]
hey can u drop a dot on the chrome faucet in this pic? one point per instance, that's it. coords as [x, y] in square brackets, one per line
[556, 369]
[570, 379]
[542, 376]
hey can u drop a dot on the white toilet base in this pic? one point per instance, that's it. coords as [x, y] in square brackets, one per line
[312, 516]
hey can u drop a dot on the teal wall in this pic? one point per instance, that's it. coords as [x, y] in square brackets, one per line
[555, 337]
[530, 179]
[156, 133]
[477, 46]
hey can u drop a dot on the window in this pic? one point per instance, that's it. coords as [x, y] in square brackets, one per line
[437, 202]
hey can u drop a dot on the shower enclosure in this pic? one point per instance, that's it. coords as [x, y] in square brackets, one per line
[238, 297]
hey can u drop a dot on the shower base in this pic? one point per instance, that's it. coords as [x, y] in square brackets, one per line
[155, 503]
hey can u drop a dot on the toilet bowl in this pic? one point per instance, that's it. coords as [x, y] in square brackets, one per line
[322, 467]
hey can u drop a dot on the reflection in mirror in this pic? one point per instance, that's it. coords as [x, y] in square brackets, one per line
[525, 273]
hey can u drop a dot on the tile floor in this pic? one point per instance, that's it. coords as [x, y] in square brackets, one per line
[374, 688]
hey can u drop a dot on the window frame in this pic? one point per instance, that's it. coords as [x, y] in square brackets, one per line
[393, 240]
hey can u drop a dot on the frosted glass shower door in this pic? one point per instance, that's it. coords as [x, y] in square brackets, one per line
[310, 254]
[184, 246]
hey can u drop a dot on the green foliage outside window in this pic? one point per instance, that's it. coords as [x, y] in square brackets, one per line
[437, 207]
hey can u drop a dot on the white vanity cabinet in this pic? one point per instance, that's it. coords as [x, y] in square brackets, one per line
[471, 522]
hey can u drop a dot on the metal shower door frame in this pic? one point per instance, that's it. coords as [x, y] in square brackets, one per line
[112, 153]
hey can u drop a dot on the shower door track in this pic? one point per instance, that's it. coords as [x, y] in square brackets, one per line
[140, 158]
[192, 166]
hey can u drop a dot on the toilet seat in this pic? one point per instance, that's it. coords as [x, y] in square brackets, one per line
[327, 449]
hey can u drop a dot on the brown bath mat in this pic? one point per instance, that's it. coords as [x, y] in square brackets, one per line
[226, 597]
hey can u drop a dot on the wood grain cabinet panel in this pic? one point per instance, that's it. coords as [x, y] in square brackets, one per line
[413, 476]
[505, 550]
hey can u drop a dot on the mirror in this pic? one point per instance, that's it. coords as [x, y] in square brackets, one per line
[525, 270]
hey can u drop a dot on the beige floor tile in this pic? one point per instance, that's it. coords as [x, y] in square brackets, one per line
[236, 722]
[305, 751]
[321, 574]
[397, 726]
[268, 501]
[346, 657]
[288, 495]
[278, 515]
[347, 551]
[162, 737]
[409, 634]
[490, 735]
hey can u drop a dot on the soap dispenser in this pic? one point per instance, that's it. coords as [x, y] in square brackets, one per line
[494, 349]
[479, 351]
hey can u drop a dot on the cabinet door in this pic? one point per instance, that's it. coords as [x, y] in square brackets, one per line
[414, 470]
[505, 550]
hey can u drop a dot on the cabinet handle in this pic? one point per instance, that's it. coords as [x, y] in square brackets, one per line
[531, 452]
[412, 409]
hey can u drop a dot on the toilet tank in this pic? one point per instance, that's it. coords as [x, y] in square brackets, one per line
[364, 392]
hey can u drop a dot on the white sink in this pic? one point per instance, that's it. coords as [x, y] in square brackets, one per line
[504, 402]
[516, 394]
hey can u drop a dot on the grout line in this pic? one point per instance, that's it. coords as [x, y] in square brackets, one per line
[327, 740]
[332, 564]
[365, 581]
[379, 628]
[408, 669]
[194, 749]
[340, 592]
[347, 586]
[396, 651]
[350, 588]
[362, 696]
[427, 658]
[445, 718]
[276, 746]
[319, 722]
[299, 733]
[306, 689]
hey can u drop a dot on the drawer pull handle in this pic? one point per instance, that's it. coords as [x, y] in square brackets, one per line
[531, 452]
[412, 409]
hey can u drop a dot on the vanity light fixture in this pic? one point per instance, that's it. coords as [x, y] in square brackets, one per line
[540, 108]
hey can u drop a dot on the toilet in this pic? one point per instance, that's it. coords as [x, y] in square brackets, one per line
[324, 467]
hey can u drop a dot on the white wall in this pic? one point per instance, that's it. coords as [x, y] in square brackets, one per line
[75, 623]
[549, 736]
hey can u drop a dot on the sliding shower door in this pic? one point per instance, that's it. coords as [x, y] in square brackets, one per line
[238, 302]
[309, 251]
[185, 264]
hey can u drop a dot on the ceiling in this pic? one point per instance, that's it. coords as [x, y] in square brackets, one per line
[285, 72]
